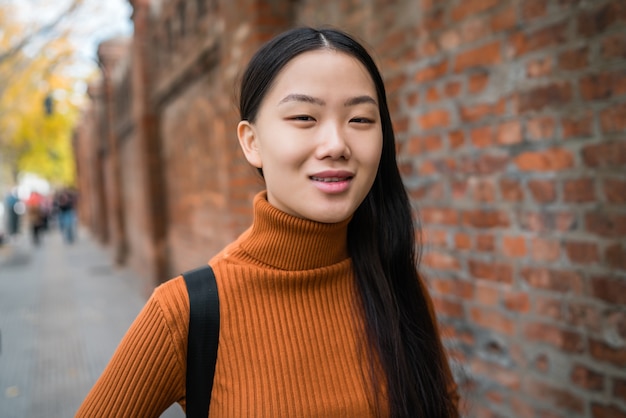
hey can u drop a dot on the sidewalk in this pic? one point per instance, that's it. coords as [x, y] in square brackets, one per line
[63, 310]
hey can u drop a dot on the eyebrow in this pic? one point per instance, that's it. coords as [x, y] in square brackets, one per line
[295, 97]
[302, 98]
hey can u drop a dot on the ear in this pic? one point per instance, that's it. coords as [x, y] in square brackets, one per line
[249, 143]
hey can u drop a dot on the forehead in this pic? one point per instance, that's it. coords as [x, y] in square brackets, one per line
[325, 70]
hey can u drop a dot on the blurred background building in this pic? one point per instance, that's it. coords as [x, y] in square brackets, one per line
[511, 126]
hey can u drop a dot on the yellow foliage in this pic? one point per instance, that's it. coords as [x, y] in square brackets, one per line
[31, 140]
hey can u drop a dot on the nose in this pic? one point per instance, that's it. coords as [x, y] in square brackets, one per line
[333, 144]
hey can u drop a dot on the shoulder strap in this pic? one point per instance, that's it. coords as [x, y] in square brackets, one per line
[202, 339]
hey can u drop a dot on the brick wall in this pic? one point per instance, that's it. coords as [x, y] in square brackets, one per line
[511, 123]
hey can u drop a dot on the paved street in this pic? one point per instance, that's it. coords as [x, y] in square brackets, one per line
[63, 310]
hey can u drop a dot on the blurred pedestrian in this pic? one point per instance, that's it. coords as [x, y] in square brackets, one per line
[11, 205]
[65, 203]
[35, 212]
[323, 312]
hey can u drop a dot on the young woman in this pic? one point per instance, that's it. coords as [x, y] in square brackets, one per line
[322, 310]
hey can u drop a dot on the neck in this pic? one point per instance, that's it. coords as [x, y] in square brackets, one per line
[286, 242]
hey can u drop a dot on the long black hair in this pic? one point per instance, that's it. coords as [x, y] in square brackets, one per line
[401, 327]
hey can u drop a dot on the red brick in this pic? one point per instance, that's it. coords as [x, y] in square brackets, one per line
[613, 119]
[540, 67]
[479, 111]
[555, 395]
[544, 249]
[456, 139]
[486, 294]
[450, 39]
[471, 7]
[432, 191]
[514, 246]
[452, 89]
[540, 128]
[587, 378]
[486, 55]
[427, 4]
[478, 82]
[509, 133]
[543, 191]
[504, 19]
[423, 143]
[494, 320]
[485, 243]
[495, 272]
[448, 307]
[401, 125]
[596, 21]
[459, 189]
[605, 154]
[582, 252]
[619, 388]
[462, 241]
[511, 190]
[432, 72]
[496, 373]
[553, 95]
[607, 411]
[614, 46]
[440, 216]
[482, 136]
[582, 315]
[574, 59]
[607, 354]
[485, 164]
[610, 225]
[579, 190]
[542, 363]
[616, 256]
[435, 237]
[578, 126]
[485, 219]
[534, 8]
[517, 301]
[554, 280]
[552, 159]
[520, 43]
[428, 48]
[603, 86]
[412, 99]
[546, 221]
[459, 288]
[433, 21]
[483, 190]
[474, 29]
[434, 119]
[548, 308]
[568, 341]
[609, 289]
[615, 190]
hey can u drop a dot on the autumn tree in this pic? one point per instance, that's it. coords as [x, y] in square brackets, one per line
[38, 102]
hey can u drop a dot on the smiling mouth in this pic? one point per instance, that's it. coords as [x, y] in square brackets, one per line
[330, 179]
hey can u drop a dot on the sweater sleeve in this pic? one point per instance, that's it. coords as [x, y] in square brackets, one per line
[146, 373]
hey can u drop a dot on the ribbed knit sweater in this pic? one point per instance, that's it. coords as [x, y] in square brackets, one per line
[291, 344]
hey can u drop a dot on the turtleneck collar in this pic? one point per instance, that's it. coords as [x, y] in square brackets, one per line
[286, 242]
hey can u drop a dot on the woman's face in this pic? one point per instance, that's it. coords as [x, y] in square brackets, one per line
[317, 136]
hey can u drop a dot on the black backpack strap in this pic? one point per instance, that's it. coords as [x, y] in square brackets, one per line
[202, 339]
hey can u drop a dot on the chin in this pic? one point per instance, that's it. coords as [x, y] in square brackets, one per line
[330, 218]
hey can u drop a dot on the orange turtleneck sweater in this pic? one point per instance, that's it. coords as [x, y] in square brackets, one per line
[291, 342]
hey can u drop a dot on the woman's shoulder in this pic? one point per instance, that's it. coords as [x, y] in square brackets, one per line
[173, 301]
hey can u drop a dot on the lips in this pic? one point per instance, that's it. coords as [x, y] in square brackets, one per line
[330, 179]
[332, 176]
